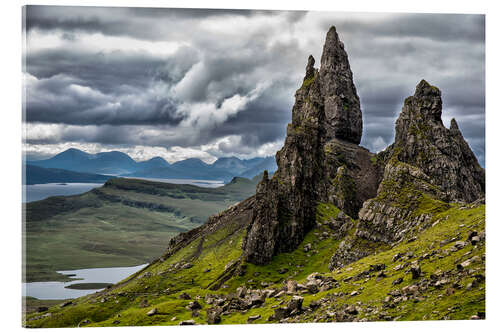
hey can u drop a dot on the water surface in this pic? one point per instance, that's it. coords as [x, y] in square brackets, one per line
[41, 191]
[57, 290]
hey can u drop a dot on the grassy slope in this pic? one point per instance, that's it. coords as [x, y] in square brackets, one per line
[99, 229]
[121, 306]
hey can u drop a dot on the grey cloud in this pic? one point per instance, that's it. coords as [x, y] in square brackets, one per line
[125, 21]
[388, 57]
[448, 27]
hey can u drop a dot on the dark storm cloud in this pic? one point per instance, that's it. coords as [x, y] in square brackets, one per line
[116, 21]
[108, 72]
[207, 88]
[446, 28]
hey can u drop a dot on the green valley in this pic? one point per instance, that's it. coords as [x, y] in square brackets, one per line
[126, 222]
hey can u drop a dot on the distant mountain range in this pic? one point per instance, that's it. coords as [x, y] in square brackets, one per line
[114, 163]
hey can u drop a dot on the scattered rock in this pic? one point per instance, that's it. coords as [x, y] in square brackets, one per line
[213, 315]
[352, 310]
[314, 304]
[415, 271]
[283, 270]
[253, 318]
[65, 304]
[193, 306]
[377, 267]
[241, 292]
[312, 286]
[295, 304]
[397, 281]
[152, 312]
[472, 234]
[291, 286]
[184, 296]
[187, 322]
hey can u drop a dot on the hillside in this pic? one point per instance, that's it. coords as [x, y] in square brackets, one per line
[125, 222]
[297, 286]
[338, 233]
[39, 175]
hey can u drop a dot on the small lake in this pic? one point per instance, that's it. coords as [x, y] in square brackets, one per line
[57, 290]
[41, 191]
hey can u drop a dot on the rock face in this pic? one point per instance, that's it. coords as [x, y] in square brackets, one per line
[427, 163]
[341, 102]
[320, 160]
[440, 153]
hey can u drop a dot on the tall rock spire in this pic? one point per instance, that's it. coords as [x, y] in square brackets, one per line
[342, 107]
[326, 109]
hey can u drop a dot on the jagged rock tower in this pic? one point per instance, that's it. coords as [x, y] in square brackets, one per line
[428, 165]
[441, 153]
[320, 160]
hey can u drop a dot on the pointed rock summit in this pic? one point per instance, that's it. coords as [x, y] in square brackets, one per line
[428, 165]
[442, 154]
[340, 99]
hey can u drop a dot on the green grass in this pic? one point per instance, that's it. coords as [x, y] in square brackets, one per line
[209, 255]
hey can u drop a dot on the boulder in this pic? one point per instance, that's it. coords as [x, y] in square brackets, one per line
[152, 312]
[415, 271]
[241, 291]
[295, 304]
[213, 315]
[253, 318]
[312, 287]
[280, 313]
[194, 305]
[291, 286]
[65, 304]
[397, 281]
[184, 295]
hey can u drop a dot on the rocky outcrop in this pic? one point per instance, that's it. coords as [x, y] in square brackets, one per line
[426, 162]
[320, 160]
[440, 153]
[427, 166]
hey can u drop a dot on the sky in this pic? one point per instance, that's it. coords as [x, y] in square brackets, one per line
[182, 83]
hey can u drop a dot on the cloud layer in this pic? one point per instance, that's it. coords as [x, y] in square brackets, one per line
[207, 83]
